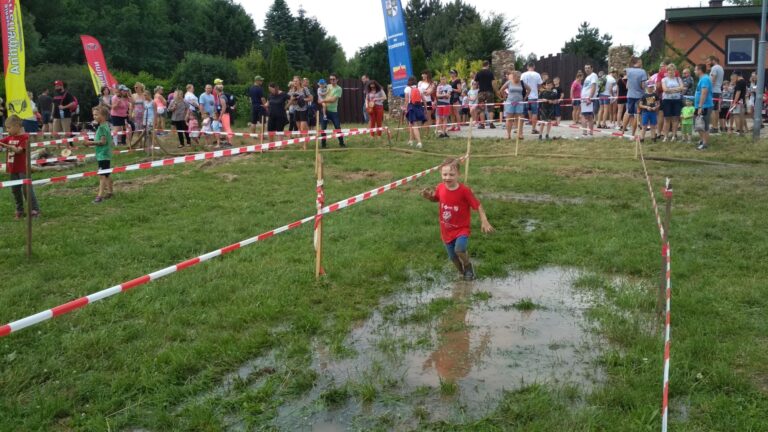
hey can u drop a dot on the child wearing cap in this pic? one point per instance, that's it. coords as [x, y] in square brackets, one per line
[649, 105]
[16, 143]
[322, 92]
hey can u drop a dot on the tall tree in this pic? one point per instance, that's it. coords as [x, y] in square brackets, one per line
[280, 27]
[417, 13]
[588, 42]
[373, 60]
[279, 68]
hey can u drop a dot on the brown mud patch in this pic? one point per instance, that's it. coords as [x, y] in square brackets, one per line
[130, 185]
[362, 175]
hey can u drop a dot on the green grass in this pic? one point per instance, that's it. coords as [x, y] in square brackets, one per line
[154, 357]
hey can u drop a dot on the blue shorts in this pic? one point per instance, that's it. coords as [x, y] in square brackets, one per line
[533, 107]
[576, 102]
[649, 118]
[632, 106]
[459, 244]
[512, 108]
[605, 100]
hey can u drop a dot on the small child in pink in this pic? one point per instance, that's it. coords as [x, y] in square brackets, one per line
[193, 126]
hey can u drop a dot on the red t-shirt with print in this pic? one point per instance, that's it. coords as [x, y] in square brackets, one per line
[16, 162]
[455, 211]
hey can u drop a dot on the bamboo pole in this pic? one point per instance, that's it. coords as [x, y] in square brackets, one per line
[517, 133]
[469, 150]
[28, 187]
[319, 222]
[261, 136]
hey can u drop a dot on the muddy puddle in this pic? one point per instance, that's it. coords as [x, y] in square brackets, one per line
[446, 350]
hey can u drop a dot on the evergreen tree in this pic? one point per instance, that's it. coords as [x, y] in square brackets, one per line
[279, 69]
[250, 65]
[280, 27]
[589, 43]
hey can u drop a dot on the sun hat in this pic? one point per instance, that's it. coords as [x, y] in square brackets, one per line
[218, 81]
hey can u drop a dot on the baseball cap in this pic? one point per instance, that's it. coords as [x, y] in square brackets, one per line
[218, 81]
[321, 82]
[258, 78]
[123, 87]
[58, 83]
[454, 71]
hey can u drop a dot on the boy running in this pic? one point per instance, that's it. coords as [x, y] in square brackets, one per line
[456, 200]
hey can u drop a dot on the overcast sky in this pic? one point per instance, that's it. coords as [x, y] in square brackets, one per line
[543, 30]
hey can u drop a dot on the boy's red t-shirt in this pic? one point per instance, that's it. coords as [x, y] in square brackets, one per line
[16, 163]
[455, 211]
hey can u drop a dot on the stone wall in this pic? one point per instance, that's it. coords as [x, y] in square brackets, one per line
[619, 57]
[395, 104]
[501, 61]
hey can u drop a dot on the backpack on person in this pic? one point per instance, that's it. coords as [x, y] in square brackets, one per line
[416, 98]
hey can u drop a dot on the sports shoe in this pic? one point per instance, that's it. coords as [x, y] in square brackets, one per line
[493, 126]
[540, 137]
[410, 143]
[481, 126]
[701, 146]
[98, 200]
[418, 145]
[469, 273]
[534, 131]
[35, 213]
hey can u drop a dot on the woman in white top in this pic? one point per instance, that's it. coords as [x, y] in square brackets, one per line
[671, 102]
[427, 89]
[751, 92]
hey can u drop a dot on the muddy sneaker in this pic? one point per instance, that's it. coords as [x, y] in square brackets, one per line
[469, 273]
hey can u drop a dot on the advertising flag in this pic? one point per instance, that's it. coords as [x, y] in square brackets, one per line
[94, 56]
[13, 60]
[397, 45]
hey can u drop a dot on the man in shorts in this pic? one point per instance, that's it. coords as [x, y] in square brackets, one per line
[716, 74]
[636, 78]
[486, 96]
[532, 81]
[589, 101]
[703, 103]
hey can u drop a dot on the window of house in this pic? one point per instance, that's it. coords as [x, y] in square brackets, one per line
[741, 50]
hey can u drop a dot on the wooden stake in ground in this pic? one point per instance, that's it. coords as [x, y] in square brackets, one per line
[661, 304]
[319, 271]
[517, 133]
[317, 140]
[637, 146]
[399, 126]
[261, 137]
[469, 150]
[28, 188]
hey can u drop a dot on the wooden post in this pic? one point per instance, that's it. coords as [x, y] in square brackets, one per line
[637, 146]
[261, 137]
[517, 133]
[660, 305]
[469, 150]
[28, 187]
[319, 222]
[317, 142]
[399, 126]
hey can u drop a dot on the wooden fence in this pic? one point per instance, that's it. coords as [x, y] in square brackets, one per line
[564, 66]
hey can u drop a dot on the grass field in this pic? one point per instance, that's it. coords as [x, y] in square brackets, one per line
[140, 360]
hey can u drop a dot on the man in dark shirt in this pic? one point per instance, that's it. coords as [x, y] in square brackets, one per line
[739, 101]
[63, 105]
[484, 80]
[45, 106]
[256, 92]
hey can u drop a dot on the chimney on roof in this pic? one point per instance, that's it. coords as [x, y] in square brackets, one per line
[715, 3]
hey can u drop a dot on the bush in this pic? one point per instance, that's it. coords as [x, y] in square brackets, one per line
[200, 69]
[77, 78]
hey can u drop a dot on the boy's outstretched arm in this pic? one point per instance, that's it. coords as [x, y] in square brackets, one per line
[485, 226]
[429, 193]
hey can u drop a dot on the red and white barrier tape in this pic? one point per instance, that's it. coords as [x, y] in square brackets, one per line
[39, 317]
[57, 142]
[81, 157]
[667, 255]
[172, 161]
[284, 133]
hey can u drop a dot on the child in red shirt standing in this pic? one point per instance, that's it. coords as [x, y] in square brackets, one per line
[456, 202]
[16, 145]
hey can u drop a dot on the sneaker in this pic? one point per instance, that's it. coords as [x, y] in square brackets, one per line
[418, 145]
[547, 137]
[481, 126]
[534, 131]
[469, 273]
[701, 146]
[35, 213]
[664, 140]
[98, 200]
[410, 143]
[540, 137]
[492, 126]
